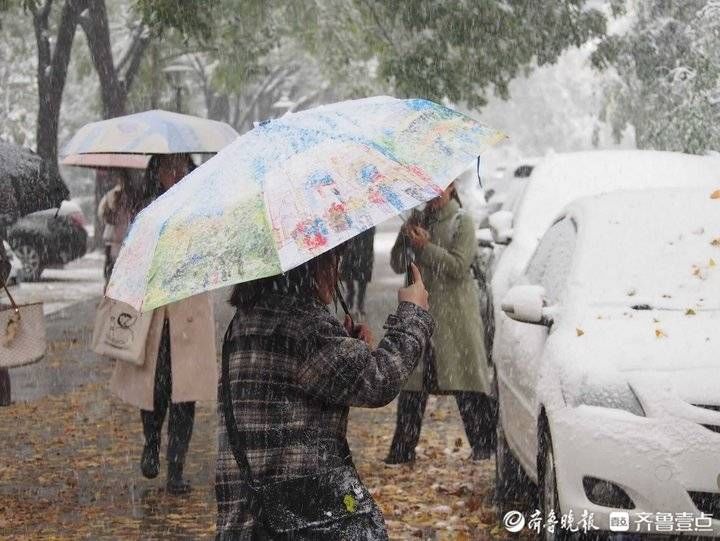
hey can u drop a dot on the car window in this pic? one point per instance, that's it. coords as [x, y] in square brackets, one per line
[550, 265]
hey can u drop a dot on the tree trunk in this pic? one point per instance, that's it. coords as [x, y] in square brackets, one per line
[114, 85]
[52, 72]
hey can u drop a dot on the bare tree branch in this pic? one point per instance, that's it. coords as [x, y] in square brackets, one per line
[137, 35]
[135, 62]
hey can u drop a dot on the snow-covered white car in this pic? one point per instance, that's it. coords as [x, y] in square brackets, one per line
[502, 193]
[16, 266]
[561, 178]
[608, 366]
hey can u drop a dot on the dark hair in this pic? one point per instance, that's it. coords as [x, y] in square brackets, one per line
[152, 174]
[301, 281]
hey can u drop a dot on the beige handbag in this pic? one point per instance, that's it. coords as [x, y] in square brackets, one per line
[22, 333]
[121, 332]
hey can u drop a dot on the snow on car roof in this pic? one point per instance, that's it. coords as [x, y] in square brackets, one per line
[658, 248]
[560, 178]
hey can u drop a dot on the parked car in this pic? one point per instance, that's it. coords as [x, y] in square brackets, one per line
[607, 365]
[16, 266]
[561, 178]
[49, 238]
[501, 191]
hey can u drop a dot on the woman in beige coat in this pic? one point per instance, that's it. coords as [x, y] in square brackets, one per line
[180, 363]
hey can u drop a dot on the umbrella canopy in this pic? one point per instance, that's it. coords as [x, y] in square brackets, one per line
[26, 183]
[152, 132]
[289, 190]
[101, 161]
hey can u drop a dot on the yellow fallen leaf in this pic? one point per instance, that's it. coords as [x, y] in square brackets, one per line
[690, 312]
[579, 332]
[350, 503]
[659, 333]
[711, 263]
[715, 195]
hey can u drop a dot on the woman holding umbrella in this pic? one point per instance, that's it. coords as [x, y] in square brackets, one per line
[291, 371]
[269, 213]
[27, 184]
[180, 357]
[180, 360]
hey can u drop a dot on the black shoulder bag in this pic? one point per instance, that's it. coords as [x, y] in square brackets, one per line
[325, 506]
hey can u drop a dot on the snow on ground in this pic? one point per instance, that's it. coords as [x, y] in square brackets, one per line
[79, 280]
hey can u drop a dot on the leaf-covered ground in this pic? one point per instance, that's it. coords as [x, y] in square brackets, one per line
[69, 470]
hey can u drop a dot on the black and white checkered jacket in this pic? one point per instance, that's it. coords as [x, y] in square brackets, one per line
[294, 373]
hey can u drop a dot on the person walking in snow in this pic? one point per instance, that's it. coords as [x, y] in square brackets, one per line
[441, 241]
[116, 210]
[290, 373]
[180, 366]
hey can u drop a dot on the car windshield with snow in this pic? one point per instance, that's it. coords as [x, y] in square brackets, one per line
[607, 368]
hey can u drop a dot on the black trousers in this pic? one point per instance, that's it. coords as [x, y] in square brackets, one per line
[182, 414]
[477, 411]
[361, 290]
[109, 264]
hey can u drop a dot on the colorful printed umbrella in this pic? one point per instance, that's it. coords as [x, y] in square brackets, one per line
[291, 189]
[152, 132]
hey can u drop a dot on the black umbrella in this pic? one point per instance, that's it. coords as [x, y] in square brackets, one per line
[26, 184]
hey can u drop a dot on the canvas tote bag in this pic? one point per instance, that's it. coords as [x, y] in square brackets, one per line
[121, 331]
[22, 333]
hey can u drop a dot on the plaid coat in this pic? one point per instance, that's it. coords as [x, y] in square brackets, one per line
[294, 373]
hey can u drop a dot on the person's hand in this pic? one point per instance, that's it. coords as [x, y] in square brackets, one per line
[407, 227]
[416, 292]
[419, 236]
[361, 331]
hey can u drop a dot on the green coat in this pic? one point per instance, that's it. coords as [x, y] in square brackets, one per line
[454, 301]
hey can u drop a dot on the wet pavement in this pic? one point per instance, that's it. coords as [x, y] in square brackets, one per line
[69, 462]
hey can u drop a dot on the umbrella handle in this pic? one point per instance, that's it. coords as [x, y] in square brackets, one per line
[341, 299]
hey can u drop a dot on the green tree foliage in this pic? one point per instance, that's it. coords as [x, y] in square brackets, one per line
[668, 67]
[196, 18]
[456, 50]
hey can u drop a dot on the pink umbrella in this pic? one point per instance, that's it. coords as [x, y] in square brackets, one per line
[99, 161]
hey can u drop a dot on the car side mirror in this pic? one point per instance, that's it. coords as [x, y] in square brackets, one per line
[484, 237]
[526, 304]
[501, 226]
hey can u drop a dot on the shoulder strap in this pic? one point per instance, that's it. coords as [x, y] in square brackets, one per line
[228, 412]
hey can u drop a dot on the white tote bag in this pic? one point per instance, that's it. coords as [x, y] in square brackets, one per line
[22, 333]
[121, 331]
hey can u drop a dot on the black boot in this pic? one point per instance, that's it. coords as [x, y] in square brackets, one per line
[5, 387]
[176, 485]
[150, 461]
